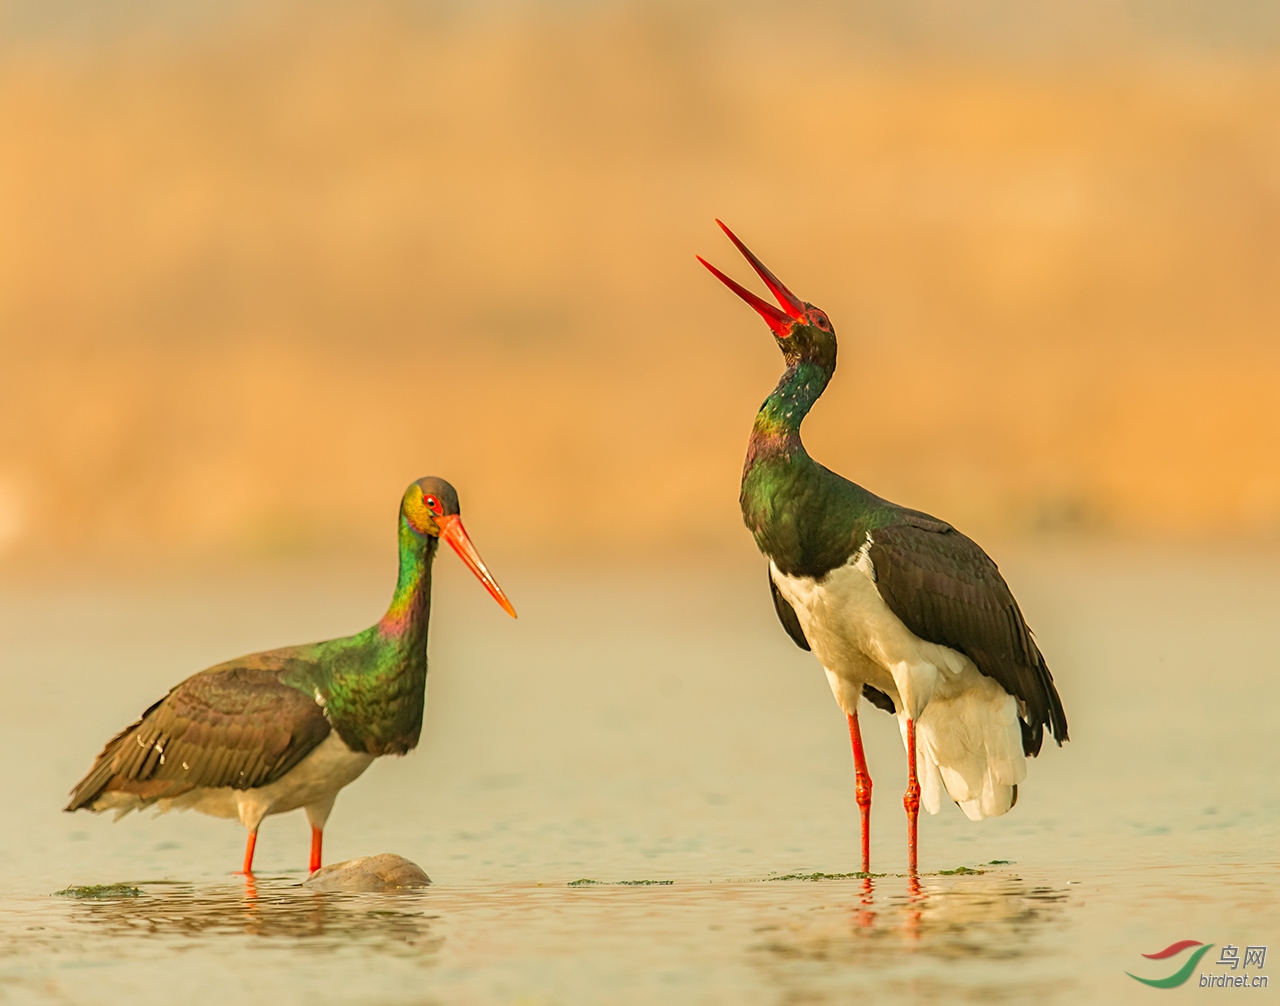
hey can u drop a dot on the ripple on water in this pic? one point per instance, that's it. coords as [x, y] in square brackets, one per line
[269, 908]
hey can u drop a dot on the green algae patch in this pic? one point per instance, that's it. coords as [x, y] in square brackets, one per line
[1000, 862]
[584, 882]
[961, 871]
[100, 891]
[859, 875]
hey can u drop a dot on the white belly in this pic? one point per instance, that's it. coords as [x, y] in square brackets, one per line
[858, 640]
[312, 783]
[968, 737]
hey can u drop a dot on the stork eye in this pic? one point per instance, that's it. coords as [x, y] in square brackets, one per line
[434, 506]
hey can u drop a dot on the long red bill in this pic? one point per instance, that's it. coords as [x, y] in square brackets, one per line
[774, 318]
[452, 531]
[792, 304]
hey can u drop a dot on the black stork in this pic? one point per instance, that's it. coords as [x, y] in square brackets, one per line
[288, 728]
[899, 607]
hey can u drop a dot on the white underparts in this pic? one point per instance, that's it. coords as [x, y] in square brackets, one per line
[967, 736]
[312, 784]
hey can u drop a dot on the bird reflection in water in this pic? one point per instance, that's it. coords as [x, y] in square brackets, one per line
[911, 909]
[890, 920]
[269, 907]
[864, 915]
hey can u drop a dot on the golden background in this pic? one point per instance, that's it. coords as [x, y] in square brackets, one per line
[262, 265]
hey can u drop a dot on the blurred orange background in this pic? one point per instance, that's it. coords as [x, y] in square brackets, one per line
[262, 265]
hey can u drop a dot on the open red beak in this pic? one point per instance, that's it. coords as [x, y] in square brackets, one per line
[452, 531]
[792, 306]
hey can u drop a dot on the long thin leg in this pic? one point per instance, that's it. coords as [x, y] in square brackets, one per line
[911, 801]
[317, 839]
[248, 853]
[318, 813]
[863, 778]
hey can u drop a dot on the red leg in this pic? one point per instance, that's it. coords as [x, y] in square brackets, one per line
[863, 789]
[912, 798]
[248, 853]
[317, 839]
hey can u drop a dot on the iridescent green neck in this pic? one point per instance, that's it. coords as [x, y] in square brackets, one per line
[372, 685]
[410, 609]
[777, 427]
[801, 515]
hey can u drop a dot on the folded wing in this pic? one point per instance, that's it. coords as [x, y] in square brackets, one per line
[947, 590]
[237, 727]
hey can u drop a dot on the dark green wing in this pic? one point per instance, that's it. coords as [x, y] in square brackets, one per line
[787, 615]
[947, 590]
[237, 727]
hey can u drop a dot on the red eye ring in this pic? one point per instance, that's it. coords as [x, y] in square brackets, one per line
[433, 505]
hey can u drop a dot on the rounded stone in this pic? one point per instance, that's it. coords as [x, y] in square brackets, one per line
[385, 872]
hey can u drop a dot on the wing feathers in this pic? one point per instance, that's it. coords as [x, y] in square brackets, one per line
[948, 591]
[787, 615]
[237, 727]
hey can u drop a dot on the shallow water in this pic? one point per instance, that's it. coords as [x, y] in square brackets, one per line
[626, 730]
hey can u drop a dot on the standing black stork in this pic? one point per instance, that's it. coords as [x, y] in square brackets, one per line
[275, 731]
[898, 607]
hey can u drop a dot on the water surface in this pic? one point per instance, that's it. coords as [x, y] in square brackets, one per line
[626, 729]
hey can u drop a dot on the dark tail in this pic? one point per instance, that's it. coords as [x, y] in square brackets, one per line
[88, 789]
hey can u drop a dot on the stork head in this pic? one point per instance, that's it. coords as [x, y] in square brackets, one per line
[430, 508]
[802, 330]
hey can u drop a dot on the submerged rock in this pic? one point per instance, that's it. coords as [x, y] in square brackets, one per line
[386, 872]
